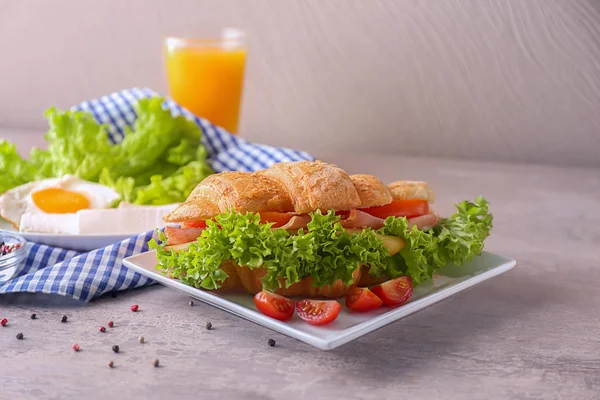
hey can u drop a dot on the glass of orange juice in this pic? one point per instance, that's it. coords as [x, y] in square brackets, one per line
[206, 76]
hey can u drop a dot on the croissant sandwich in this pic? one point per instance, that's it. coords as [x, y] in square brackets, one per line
[309, 229]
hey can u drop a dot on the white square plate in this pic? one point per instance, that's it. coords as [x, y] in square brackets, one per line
[348, 326]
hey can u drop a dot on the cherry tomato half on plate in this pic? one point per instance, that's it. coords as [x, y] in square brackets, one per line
[318, 312]
[400, 208]
[394, 292]
[362, 300]
[274, 305]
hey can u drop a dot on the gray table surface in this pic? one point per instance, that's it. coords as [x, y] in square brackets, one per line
[532, 333]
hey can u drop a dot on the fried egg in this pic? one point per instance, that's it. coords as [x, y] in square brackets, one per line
[55, 196]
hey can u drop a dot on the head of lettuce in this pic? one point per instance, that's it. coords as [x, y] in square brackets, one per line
[159, 161]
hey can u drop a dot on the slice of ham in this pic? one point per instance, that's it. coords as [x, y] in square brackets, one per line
[296, 222]
[182, 235]
[424, 221]
[360, 219]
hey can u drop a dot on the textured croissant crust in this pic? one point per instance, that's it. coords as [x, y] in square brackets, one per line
[295, 187]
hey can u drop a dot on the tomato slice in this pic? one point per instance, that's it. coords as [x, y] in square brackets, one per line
[362, 300]
[400, 208]
[274, 305]
[194, 224]
[394, 292]
[279, 219]
[318, 312]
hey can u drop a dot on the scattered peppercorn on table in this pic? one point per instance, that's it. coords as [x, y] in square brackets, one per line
[530, 332]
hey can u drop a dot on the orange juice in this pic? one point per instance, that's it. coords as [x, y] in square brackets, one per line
[206, 77]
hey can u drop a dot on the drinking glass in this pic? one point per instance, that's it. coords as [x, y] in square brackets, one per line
[206, 76]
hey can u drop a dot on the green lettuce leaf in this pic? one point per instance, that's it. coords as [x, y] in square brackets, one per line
[455, 239]
[162, 156]
[157, 137]
[462, 234]
[77, 145]
[15, 171]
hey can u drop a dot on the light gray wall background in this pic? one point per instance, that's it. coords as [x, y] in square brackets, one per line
[515, 80]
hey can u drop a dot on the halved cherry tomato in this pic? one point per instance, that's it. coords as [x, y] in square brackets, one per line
[274, 305]
[394, 292]
[400, 208]
[318, 312]
[278, 218]
[194, 224]
[362, 300]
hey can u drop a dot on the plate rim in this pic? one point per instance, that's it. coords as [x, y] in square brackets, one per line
[345, 336]
[77, 242]
[4, 224]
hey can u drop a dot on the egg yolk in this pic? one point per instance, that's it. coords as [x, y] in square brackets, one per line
[60, 201]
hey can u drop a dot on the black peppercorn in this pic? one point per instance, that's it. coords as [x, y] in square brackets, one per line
[155, 363]
[271, 342]
[33, 316]
[115, 348]
[111, 364]
[20, 336]
[191, 303]
[209, 326]
[64, 318]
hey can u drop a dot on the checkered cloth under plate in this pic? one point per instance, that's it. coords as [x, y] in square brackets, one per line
[87, 275]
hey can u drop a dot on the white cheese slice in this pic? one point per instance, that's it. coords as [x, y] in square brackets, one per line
[49, 223]
[123, 220]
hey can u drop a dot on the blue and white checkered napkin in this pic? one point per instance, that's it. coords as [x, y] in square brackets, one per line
[84, 276]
